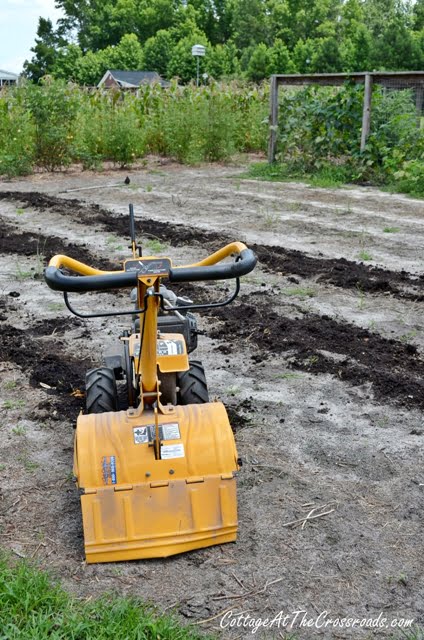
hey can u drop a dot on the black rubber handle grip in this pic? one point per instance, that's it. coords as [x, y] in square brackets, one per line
[58, 281]
[245, 264]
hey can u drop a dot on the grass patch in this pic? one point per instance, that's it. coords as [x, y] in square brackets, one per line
[331, 176]
[391, 230]
[13, 404]
[33, 605]
[19, 430]
[10, 384]
[154, 246]
[365, 256]
[288, 376]
[328, 176]
[413, 634]
[299, 291]
[55, 306]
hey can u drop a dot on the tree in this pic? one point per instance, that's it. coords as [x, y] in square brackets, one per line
[44, 50]
[281, 61]
[326, 57]
[90, 68]
[158, 51]
[222, 61]
[128, 54]
[249, 23]
[394, 48]
[418, 13]
[182, 63]
[66, 61]
[260, 63]
[303, 54]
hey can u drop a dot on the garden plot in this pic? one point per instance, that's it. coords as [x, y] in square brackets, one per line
[319, 363]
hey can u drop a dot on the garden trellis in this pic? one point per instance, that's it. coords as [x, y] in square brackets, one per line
[413, 81]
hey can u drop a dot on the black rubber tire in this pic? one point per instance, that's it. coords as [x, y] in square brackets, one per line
[192, 384]
[101, 392]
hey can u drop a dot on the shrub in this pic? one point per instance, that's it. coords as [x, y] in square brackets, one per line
[17, 136]
[53, 107]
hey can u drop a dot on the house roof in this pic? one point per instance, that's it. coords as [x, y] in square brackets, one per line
[8, 75]
[128, 79]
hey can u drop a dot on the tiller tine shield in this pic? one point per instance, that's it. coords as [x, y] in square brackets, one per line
[136, 504]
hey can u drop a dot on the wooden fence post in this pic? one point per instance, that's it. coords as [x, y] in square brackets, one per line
[366, 113]
[273, 119]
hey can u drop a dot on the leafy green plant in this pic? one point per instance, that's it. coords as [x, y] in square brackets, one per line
[364, 255]
[19, 430]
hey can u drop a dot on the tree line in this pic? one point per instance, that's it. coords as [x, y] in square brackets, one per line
[244, 38]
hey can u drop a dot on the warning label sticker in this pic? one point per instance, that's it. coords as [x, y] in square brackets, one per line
[170, 431]
[168, 451]
[141, 435]
[147, 433]
[170, 348]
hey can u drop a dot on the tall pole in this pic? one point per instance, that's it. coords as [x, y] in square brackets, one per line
[366, 113]
[197, 84]
[273, 119]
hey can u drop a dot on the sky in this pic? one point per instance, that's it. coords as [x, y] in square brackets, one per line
[18, 28]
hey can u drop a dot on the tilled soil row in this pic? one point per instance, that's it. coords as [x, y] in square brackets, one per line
[64, 374]
[24, 243]
[61, 374]
[395, 369]
[336, 271]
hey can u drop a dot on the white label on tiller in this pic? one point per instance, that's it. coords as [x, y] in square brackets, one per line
[170, 431]
[141, 435]
[147, 433]
[168, 451]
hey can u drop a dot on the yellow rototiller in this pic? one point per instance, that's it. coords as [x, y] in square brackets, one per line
[157, 470]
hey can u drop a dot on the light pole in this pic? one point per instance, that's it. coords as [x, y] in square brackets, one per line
[198, 50]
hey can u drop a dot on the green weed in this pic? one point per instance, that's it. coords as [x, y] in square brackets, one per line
[406, 337]
[19, 430]
[270, 221]
[364, 255]
[13, 404]
[55, 306]
[10, 384]
[155, 247]
[301, 292]
[391, 230]
[28, 464]
[414, 634]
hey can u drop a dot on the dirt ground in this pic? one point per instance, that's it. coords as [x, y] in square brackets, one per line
[319, 362]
